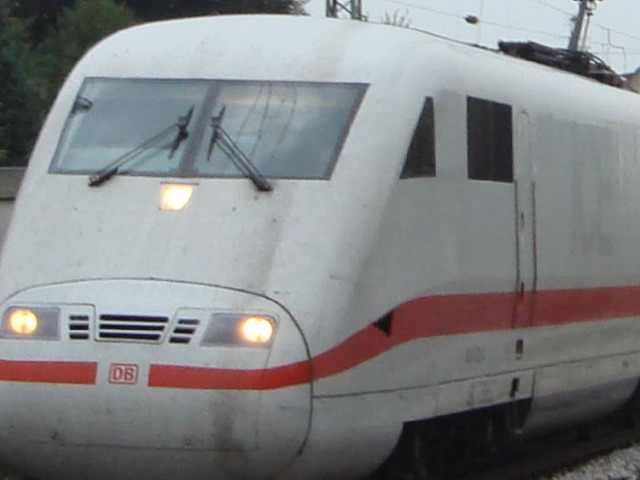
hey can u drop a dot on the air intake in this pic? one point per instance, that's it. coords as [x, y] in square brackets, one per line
[131, 328]
[184, 330]
[79, 327]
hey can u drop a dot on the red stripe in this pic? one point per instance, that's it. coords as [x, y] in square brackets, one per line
[169, 376]
[557, 307]
[72, 373]
[424, 317]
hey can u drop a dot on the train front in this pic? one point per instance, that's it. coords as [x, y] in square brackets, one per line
[172, 213]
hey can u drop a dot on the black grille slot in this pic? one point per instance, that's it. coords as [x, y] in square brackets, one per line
[79, 328]
[132, 328]
[184, 331]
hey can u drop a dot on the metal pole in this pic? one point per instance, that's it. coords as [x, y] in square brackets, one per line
[577, 28]
[586, 9]
[354, 9]
[332, 8]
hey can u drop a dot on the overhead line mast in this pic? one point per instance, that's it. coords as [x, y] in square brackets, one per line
[586, 10]
[353, 8]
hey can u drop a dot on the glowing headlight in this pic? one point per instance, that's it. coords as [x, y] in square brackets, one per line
[175, 197]
[240, 330]
[37, 323]
[22, 321]
[257, 330]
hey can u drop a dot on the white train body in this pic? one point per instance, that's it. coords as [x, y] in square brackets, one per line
[394, 299]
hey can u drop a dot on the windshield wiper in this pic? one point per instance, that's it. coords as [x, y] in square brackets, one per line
[230, 148]
[183, 133]
[110, 170]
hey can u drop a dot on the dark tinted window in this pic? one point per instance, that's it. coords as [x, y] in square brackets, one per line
[490, 140]
[421, 157]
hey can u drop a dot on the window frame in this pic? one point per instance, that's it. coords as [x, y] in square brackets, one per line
[186, 165]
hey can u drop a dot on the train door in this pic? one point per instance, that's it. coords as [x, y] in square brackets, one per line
[525, 223]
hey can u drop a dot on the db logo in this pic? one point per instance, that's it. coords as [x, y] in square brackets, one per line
[123, 374]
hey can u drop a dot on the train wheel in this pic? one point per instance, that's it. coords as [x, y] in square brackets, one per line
[629, 414]
[416, 457]
[426, 462]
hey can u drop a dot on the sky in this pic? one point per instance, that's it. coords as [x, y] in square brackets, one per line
[613, 35]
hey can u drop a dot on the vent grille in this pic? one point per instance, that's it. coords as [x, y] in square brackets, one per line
[131, 328]
[184, 330]
[79, 327]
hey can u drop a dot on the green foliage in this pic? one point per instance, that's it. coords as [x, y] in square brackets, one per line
[161, 9]
[4, 154]
[41, 14]
[44, 14]
[17, 123]
[79, 28]
[41, 40]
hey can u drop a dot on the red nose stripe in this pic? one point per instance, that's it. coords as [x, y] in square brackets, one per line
[420, 318]
[70, 373]
[170, 376]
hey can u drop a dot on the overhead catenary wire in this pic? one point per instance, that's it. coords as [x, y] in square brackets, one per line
[553, 7]
[619, 32]
[486, 22]
[590, 43]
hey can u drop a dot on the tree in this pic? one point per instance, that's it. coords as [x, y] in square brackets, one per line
[4, 153]
[163, 9]
[41, 14]
[78, 28]
[45, 14]
[40, 41]
[17, 121]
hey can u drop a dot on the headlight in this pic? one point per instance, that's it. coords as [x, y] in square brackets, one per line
[174, 198]
[240, 330]
[31, 322]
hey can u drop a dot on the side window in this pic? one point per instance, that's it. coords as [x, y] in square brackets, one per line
[489, 140]
[421, 156]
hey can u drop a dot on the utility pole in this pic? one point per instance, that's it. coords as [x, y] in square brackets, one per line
[354, 8]
[586, 10]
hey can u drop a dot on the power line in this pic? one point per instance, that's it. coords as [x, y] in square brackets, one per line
[528, 30]
[487, 22]
[541, 2]
[606, 47]
[432, 10]
[619, 32]
[553, 7]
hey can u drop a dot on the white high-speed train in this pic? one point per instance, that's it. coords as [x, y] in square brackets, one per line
[269, 247]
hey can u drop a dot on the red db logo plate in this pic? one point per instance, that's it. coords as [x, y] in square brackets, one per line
[123, 374]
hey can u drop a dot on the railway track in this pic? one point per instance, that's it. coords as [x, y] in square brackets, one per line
[527, 461]
[548, 455]
[464, 451]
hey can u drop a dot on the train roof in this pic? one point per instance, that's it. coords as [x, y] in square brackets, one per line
[297, 48]
[311, 38]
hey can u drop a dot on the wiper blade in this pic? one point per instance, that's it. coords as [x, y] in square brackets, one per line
[183, 133]
[111, 169]
[230, 148]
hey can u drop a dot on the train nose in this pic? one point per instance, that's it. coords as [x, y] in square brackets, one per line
[158, 385]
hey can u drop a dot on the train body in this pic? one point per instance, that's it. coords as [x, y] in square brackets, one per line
[425, 229]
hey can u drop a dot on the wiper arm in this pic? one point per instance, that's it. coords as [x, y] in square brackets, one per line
[231, 149]
[183, 133]
[111, 169]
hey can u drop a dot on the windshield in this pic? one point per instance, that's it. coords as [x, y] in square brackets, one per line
[286, 130]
